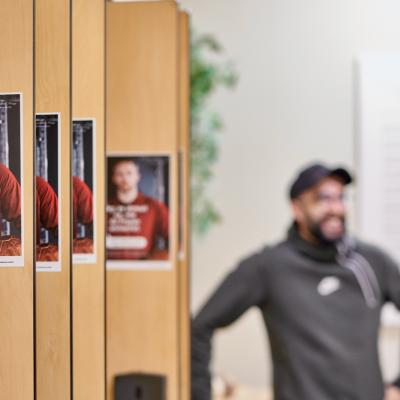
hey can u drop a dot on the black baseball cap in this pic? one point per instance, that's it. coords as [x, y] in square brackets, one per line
[312, 174]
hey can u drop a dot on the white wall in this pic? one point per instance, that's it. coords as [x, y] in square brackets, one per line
[294, 103]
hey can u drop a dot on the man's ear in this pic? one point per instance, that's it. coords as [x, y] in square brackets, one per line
[297, 210]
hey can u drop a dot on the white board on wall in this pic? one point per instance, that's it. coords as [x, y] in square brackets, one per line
[378, 146]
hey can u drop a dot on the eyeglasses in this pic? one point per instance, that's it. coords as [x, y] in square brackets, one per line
[326, 198]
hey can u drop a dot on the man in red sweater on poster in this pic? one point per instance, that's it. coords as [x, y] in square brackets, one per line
[10, 210]
[134, 221]
[10, 196]
[46, 217]
[83, 214]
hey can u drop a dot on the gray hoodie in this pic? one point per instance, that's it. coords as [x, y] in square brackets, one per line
[321, 306]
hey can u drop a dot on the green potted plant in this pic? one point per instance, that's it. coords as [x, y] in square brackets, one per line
[206, 77]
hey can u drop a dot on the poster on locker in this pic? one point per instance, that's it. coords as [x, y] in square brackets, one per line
[138, 215]
[11, 204]
[47, 192]
[83, 191]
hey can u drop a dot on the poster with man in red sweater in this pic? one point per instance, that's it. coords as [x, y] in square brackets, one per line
[11, 250]
[83, 193]
[47, 192]
[138, 212]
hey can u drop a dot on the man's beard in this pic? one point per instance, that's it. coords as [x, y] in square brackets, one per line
[316, 230]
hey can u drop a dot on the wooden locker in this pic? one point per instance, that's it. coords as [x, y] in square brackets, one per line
[88, 298]
[184, 212]
[16, 272]
[53, 288]
[142, 117]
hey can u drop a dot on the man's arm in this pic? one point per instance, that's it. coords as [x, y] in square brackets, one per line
[240, 290]
[83, 201]
[10, 195]
[392, 294]
[162, 220]
[48, 204]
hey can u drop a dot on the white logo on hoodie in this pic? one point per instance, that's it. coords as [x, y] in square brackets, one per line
[328, 285]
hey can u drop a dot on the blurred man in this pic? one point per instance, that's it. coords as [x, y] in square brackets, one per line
[320, 293]
[134, 221]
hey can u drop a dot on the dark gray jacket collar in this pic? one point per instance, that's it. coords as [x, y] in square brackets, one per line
[321, 252]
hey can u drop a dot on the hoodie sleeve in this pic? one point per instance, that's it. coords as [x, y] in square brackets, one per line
[391, 290]
[239, 291]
